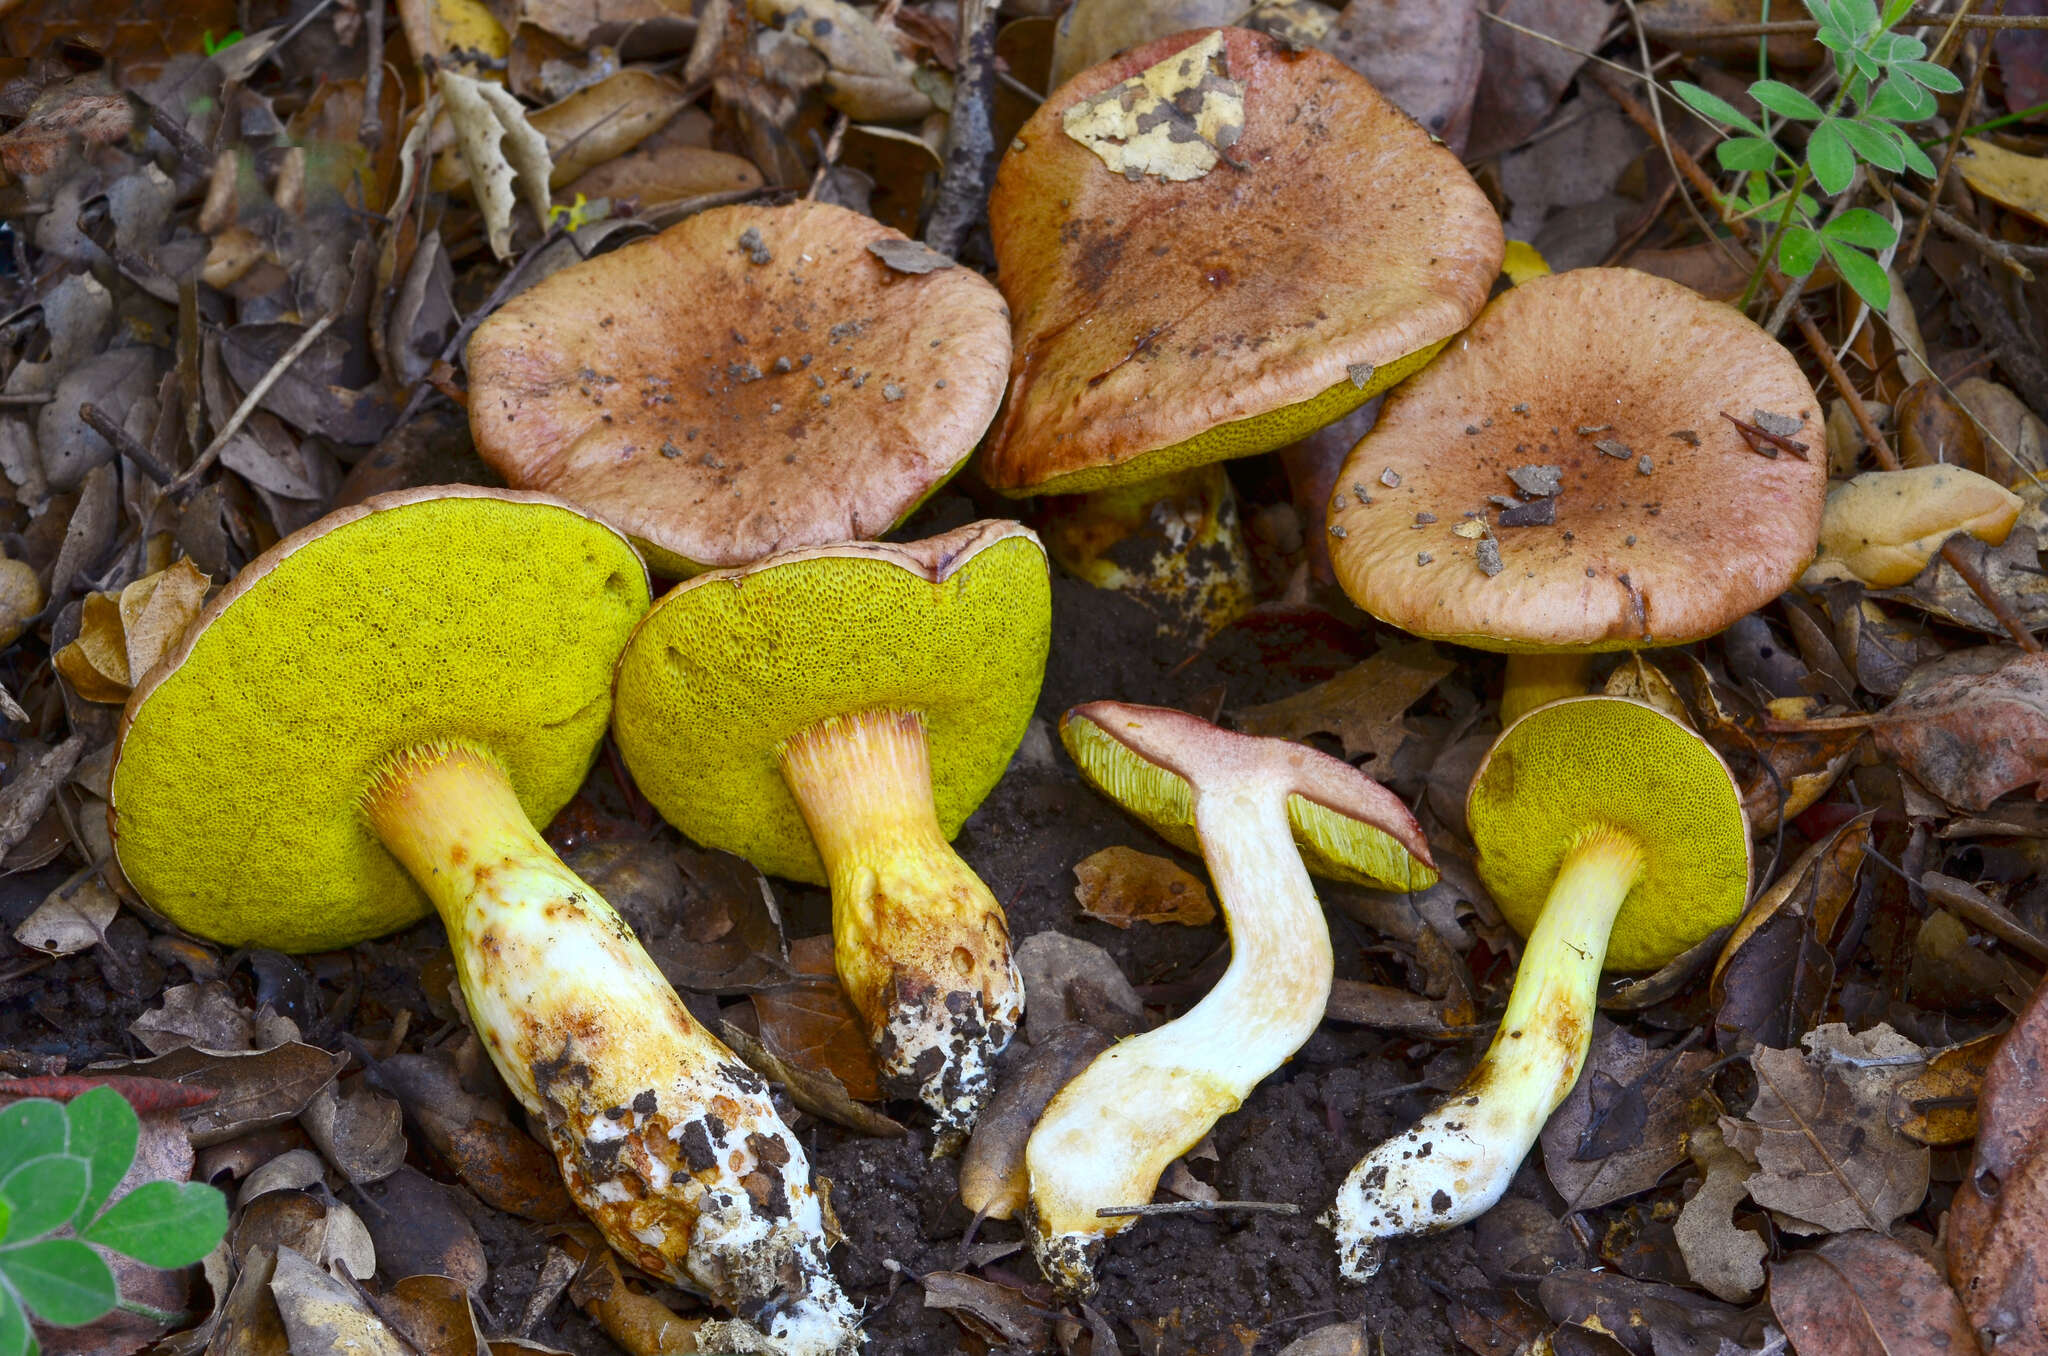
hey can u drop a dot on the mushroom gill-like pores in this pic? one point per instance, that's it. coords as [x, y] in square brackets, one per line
[834, 716]
[1609, 833]
[364, 727]
[751, 380]
[1162, 327]
[1264, 814]
[1565, 479]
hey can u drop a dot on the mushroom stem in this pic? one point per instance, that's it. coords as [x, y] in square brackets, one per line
[1109, 1134]
[1454, 1163]
[1173, 542]
[921, 945]
[1535, 680]
[665, 1139]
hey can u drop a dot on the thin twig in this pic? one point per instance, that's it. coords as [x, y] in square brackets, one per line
[1672, 33]
[2007, 255]
[830, 156]
[28, 398]
[250, 402]
[1911, 254]
[962, 200]
[1198, 1208]
[460, 338]
[373, 79]
[124, 442]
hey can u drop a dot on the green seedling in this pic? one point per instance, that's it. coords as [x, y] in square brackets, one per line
[1882, 80]
[59, 1165]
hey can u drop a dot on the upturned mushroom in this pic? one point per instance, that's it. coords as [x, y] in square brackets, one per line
[1264, 814]
[833, 716]
[1605, 461]
[751, 380]
[364, 727]
[1609, 834]
[1212, 245]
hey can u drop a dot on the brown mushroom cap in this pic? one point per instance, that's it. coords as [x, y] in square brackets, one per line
[1668, 525]
[1333, 234]
[749, 381]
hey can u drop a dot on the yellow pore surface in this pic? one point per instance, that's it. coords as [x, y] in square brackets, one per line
[1586, 762]
[729, 666]
[481, 620]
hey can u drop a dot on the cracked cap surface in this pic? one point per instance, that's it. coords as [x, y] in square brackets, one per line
[1163, 325]
[1713, 530]
[729, 665]
[751, 380]
[1584, 761]
[1153, 760]
[487, 617]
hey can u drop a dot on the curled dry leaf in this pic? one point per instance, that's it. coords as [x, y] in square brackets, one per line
[204, 1014]
[1827, 1157]
[1363, 706]
[1067, 979]
[419, 1229]
[659, 175]
[1096, 30]
[1626, 1121]
[2007, 177]
[600, 122]
[993, 1181]
[122, 636]
[813, 1090]
[1121, 886]
[360, 1130]
[994, 1313]
[1719, 1254]
[454, 32]
[321, 1313]
[1175, 120]
[2000, 1212]
[1863, 1294]
[312, 1224]
[506, 1167]
[812, 1025]
[640, 1323]
[1884, 526]
[1939, 1105]
[1424, 55]
[507, 158]
[71, 917]
[433, 1315]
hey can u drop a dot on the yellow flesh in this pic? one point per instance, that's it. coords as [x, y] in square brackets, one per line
[489, 621]
[670, 1145]
[1247, 437]
[921, 945]
[1199, 576]
[1535, 680]
[1455, 1162]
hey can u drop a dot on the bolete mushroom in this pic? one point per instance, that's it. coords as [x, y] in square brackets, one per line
[1609, 833]
[364, 727]
[834, 715]
[1263, 813]
[1568, 477]
[1212, 245]
[751, 380]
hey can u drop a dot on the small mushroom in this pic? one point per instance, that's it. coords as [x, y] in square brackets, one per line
[364, 727]
[1263, 813]
[1612, 558]
[751, 380]
[1162, 327]
[834, 715]
[1608, 833]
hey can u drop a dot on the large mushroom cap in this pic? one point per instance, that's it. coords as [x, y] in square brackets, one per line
[731, 665]
[1151, 760]
[488, 618]
[1667, 524]
[751, 380]
[1613, 761]
[1331, 246]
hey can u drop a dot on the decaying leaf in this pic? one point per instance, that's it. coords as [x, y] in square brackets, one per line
[121, 636]
[813, 1090]
[324, 1314]
[204, 1014]
[1863, 1294]
[1884, 526]
[1174, 120]
[600, 122]
[1363, 706]
[812, 1024]
[639, 1323]
[360, 1130]
[507, 158]
[462, 32]
[2007, 177]
[1067, 980]
[866, 77]
[71, 918]
[1122, 886]
[1827, 1156]
[1625, 1122]
[497, 1160]
[1719, 1254]
[998, 1312]
[2000, 1214]
[1939, 1105]
[1972, 728]
[257, 1089]
[993, 1181]
[1424, 55]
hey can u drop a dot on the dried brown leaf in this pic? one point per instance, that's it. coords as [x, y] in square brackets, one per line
[1720, 1255]
[992, 1311]
[1863, 1294]
[2000, 1213]
[1424, 55]
[257, 1089]
[1971, 730]
[1625, 1122]
[1121, 886]
[813, 1025]
[321, 1313]
[1363, 706]
[1939, 1106]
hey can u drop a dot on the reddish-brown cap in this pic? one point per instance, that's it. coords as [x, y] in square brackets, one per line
[751, 380]
[1611, 386]
[1331, 240]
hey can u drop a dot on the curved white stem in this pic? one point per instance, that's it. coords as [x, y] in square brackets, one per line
[1109, 1134]
[665, 1139]
[1454, 1163]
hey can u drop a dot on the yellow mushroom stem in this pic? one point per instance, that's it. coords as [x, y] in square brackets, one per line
[1454, 1163]
[1173, 542]
[665, 1139]
[1109, 1134]
[922, 947]
[1535, 680]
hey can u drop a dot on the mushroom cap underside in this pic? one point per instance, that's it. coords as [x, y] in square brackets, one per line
[1163, 324]
[1152, 760]
[489, 618]
[1666, 524]
[1613, 761]
[749, 381]
[730, 665]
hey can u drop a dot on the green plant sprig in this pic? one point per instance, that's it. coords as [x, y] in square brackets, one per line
[59, 1164]
[1882, 81]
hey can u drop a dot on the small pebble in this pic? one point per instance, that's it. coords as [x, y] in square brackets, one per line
[1390, 477]
[1488, 556]
[1423, 557]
